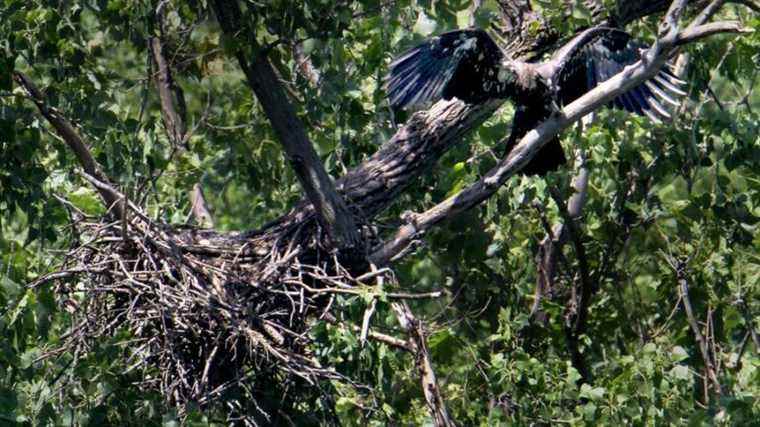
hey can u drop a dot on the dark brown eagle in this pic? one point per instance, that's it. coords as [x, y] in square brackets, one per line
[469, 65]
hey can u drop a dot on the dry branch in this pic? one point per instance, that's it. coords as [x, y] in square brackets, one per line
[683, 292]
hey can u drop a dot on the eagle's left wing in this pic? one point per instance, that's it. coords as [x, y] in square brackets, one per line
[597, 54]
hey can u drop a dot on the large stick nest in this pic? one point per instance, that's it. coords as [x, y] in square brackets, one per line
[205, 319]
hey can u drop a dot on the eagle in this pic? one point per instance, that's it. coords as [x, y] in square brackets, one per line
[469, 65]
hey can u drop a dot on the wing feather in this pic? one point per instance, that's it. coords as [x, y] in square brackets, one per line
[458, 64]
[597, 54]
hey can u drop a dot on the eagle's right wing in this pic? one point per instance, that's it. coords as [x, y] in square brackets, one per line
[459, 63]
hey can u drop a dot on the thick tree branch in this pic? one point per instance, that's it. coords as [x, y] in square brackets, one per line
[628, 11]
[411, 152]
[755, 6]
[374, 185]
[707, 13]
[112, 199]
[332, 212]
[522, 153]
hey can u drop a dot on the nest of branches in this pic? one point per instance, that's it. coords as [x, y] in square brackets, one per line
[205, 320]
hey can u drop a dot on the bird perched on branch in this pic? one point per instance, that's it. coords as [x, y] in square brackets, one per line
[469, 65]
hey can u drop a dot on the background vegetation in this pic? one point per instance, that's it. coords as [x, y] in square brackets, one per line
[670, 207]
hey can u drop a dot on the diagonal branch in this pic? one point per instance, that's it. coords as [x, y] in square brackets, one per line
[332, 211]
[112, 199]
[375, 184]
[753, 5]
[530, 144]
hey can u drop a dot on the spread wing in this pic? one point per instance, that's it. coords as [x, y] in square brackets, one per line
[460, 63]
[599, 53]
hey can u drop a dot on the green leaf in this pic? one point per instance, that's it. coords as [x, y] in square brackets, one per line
[680, 372]
[592, 393]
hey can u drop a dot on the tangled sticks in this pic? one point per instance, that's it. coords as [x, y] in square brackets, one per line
[199, 322]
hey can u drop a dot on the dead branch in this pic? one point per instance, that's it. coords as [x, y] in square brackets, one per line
[753, 5]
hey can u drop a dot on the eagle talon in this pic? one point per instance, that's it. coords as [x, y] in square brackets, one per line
[554, 108]
[409, 218]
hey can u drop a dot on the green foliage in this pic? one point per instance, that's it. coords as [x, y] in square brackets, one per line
[687, 191]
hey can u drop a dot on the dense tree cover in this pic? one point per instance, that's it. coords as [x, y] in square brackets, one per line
[647, 315]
